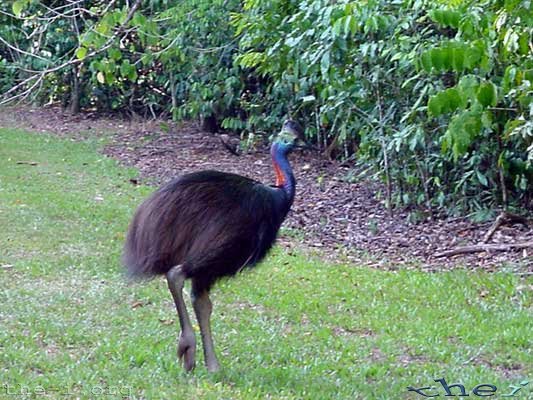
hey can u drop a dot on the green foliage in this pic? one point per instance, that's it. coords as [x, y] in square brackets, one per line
[487, 105]
[444, 102]
[426, 97]
[454, 56]
[364, 73]
[446, 17]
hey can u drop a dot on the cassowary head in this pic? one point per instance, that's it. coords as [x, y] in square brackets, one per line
[291, 133]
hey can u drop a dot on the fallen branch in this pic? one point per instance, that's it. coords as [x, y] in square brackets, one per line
[502, 219]
[484, 247]
[232, 148]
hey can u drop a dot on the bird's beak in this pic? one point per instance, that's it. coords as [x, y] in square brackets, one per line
[299, 143]
[297, 132]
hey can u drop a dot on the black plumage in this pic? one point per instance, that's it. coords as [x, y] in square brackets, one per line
[211, 222]
[206, 225]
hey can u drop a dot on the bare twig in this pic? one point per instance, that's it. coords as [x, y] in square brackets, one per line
[24, 94]
[502, 109]
[27, 162]
[40, 75]
[14, 48]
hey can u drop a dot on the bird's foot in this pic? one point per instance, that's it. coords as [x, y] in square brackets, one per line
[212, 365]
[187, 350]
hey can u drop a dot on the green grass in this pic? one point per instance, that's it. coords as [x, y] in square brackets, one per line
[72, 326]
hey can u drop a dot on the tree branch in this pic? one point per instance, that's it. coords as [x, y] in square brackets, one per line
[40, 75]
[14, 48]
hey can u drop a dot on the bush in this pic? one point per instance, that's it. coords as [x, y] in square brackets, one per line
[434, 99]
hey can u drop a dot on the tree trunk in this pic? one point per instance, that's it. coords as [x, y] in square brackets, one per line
[75, 96]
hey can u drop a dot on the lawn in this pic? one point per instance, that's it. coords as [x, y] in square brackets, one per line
[295, 327]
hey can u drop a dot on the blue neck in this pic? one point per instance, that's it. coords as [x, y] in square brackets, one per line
[284, 176]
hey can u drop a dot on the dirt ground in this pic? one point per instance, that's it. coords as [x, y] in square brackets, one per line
[339, 219]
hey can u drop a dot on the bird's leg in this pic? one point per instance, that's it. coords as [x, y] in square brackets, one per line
[202, 308]
[187, 341]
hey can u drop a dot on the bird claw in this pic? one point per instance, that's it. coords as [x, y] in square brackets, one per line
[187, 351]
[213, 366]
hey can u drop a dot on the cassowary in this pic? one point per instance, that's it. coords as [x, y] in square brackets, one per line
[206, 225]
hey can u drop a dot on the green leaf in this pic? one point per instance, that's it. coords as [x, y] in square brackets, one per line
[337, 27]
[486, 119]
[458, 59]
[446, 17]
[350, 26]
[324, 64]
[103, 27]
[18, 6]
[524, 43]
[138, 19]
[125, 68]
[468, 85]
[95, 66]
[435, 106]
[462, 130]
[147, 59]
[425, 60]
[487, 94]
[114, 53]
[482, 179]
[438, 58]
[511, 125]
[436, 15]
[455, 100]
[110, 78]
[81, 53]
[455, 56]
[251, 59]
[453, 19]
[467, 28]
[293, 41]
[472, 57]
[445, 102]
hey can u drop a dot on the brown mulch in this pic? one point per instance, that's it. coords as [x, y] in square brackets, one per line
[341, 219]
